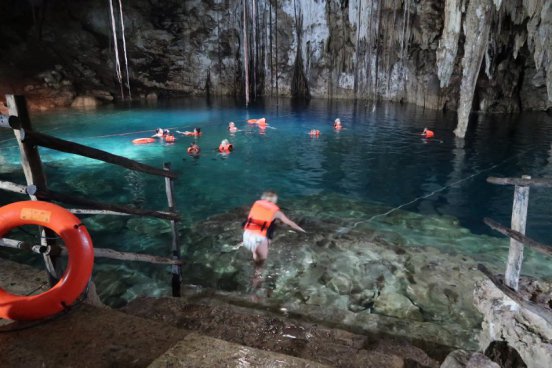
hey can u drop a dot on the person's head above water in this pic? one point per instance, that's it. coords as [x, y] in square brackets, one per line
[231, 124]
[337, 121]
[197, 130]
[270, 196]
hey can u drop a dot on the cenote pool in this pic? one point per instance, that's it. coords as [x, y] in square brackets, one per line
[342, 179]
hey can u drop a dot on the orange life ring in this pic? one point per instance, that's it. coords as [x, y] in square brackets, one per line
[143, 140]
[170, 138]
[79, 264]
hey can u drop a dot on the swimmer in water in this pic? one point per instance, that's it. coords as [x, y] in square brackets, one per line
[194, 149]
[159, 133]
[428, 133]
[232, 127]
[195, 133]
[225, 147]
[337, 124]
[314, 133]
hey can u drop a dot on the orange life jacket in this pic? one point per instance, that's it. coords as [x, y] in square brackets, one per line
[429, 134]
[226, 148]
[169, 138]
[261, 216]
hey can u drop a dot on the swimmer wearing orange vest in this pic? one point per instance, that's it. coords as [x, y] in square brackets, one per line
[314, 133]
[428, 133]
[261, 123]
[337, 124]
[195, 133]
[194, 149]
[258, 229]
[225, 147]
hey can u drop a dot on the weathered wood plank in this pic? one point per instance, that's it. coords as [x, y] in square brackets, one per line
[98, 252]
[533, 307]
[540, 182]
[32, 168]
[44, 140]
[519, 220]
[13, 187]
[540, 247]
[78, 201]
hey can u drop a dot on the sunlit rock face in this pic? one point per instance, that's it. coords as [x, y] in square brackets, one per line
[410, 51]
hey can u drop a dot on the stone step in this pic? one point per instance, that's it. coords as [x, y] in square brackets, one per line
[196, 350]
[266, 331]
[93, 337]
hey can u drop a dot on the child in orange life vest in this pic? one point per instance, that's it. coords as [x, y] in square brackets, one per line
[259, 226]
[225, 146]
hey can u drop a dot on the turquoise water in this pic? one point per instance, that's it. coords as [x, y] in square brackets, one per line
[378, 158]
[339, 186]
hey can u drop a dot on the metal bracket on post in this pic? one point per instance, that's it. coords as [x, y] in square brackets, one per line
[176, 270]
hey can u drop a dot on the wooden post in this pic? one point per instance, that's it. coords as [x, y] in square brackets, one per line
[176, 270]
[519, 219]
[32, 168]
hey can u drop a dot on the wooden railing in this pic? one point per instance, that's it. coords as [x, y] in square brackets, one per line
[517, 231]
[37, 189]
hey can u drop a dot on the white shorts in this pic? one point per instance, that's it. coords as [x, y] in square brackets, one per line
[252, 239]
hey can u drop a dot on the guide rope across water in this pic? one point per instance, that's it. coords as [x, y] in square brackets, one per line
[479, 172]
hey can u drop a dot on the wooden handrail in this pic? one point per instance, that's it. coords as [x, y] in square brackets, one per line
[516, 235]
[46, 195]
[44, 140]
[541, 182]
[98, 252]
[533, 307]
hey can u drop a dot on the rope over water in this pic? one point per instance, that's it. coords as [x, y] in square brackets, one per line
[479, 172]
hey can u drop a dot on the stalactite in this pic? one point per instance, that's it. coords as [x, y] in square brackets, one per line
[271, 51]
[448, 44]
[370, 46]
[245, 52]
[125, 49]
[276, 44]
[391, 45]
[377, 54]
[116, 49]
[357, 47]
[254, 17]
[477, 25]
[299, 83]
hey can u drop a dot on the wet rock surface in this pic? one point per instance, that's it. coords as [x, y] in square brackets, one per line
[352, 277]
[516, 334]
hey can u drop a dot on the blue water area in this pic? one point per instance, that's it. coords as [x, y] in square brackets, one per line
[378, 158]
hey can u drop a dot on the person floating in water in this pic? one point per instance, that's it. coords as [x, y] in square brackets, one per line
[225, 146]
[159, 133]
[314, 133]
[232, 127]
[337, 124]
[428, 133]
[195, 133]
[258, 229]
[194, 149]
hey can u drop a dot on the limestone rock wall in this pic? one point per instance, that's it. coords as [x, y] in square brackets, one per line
[400, 50]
